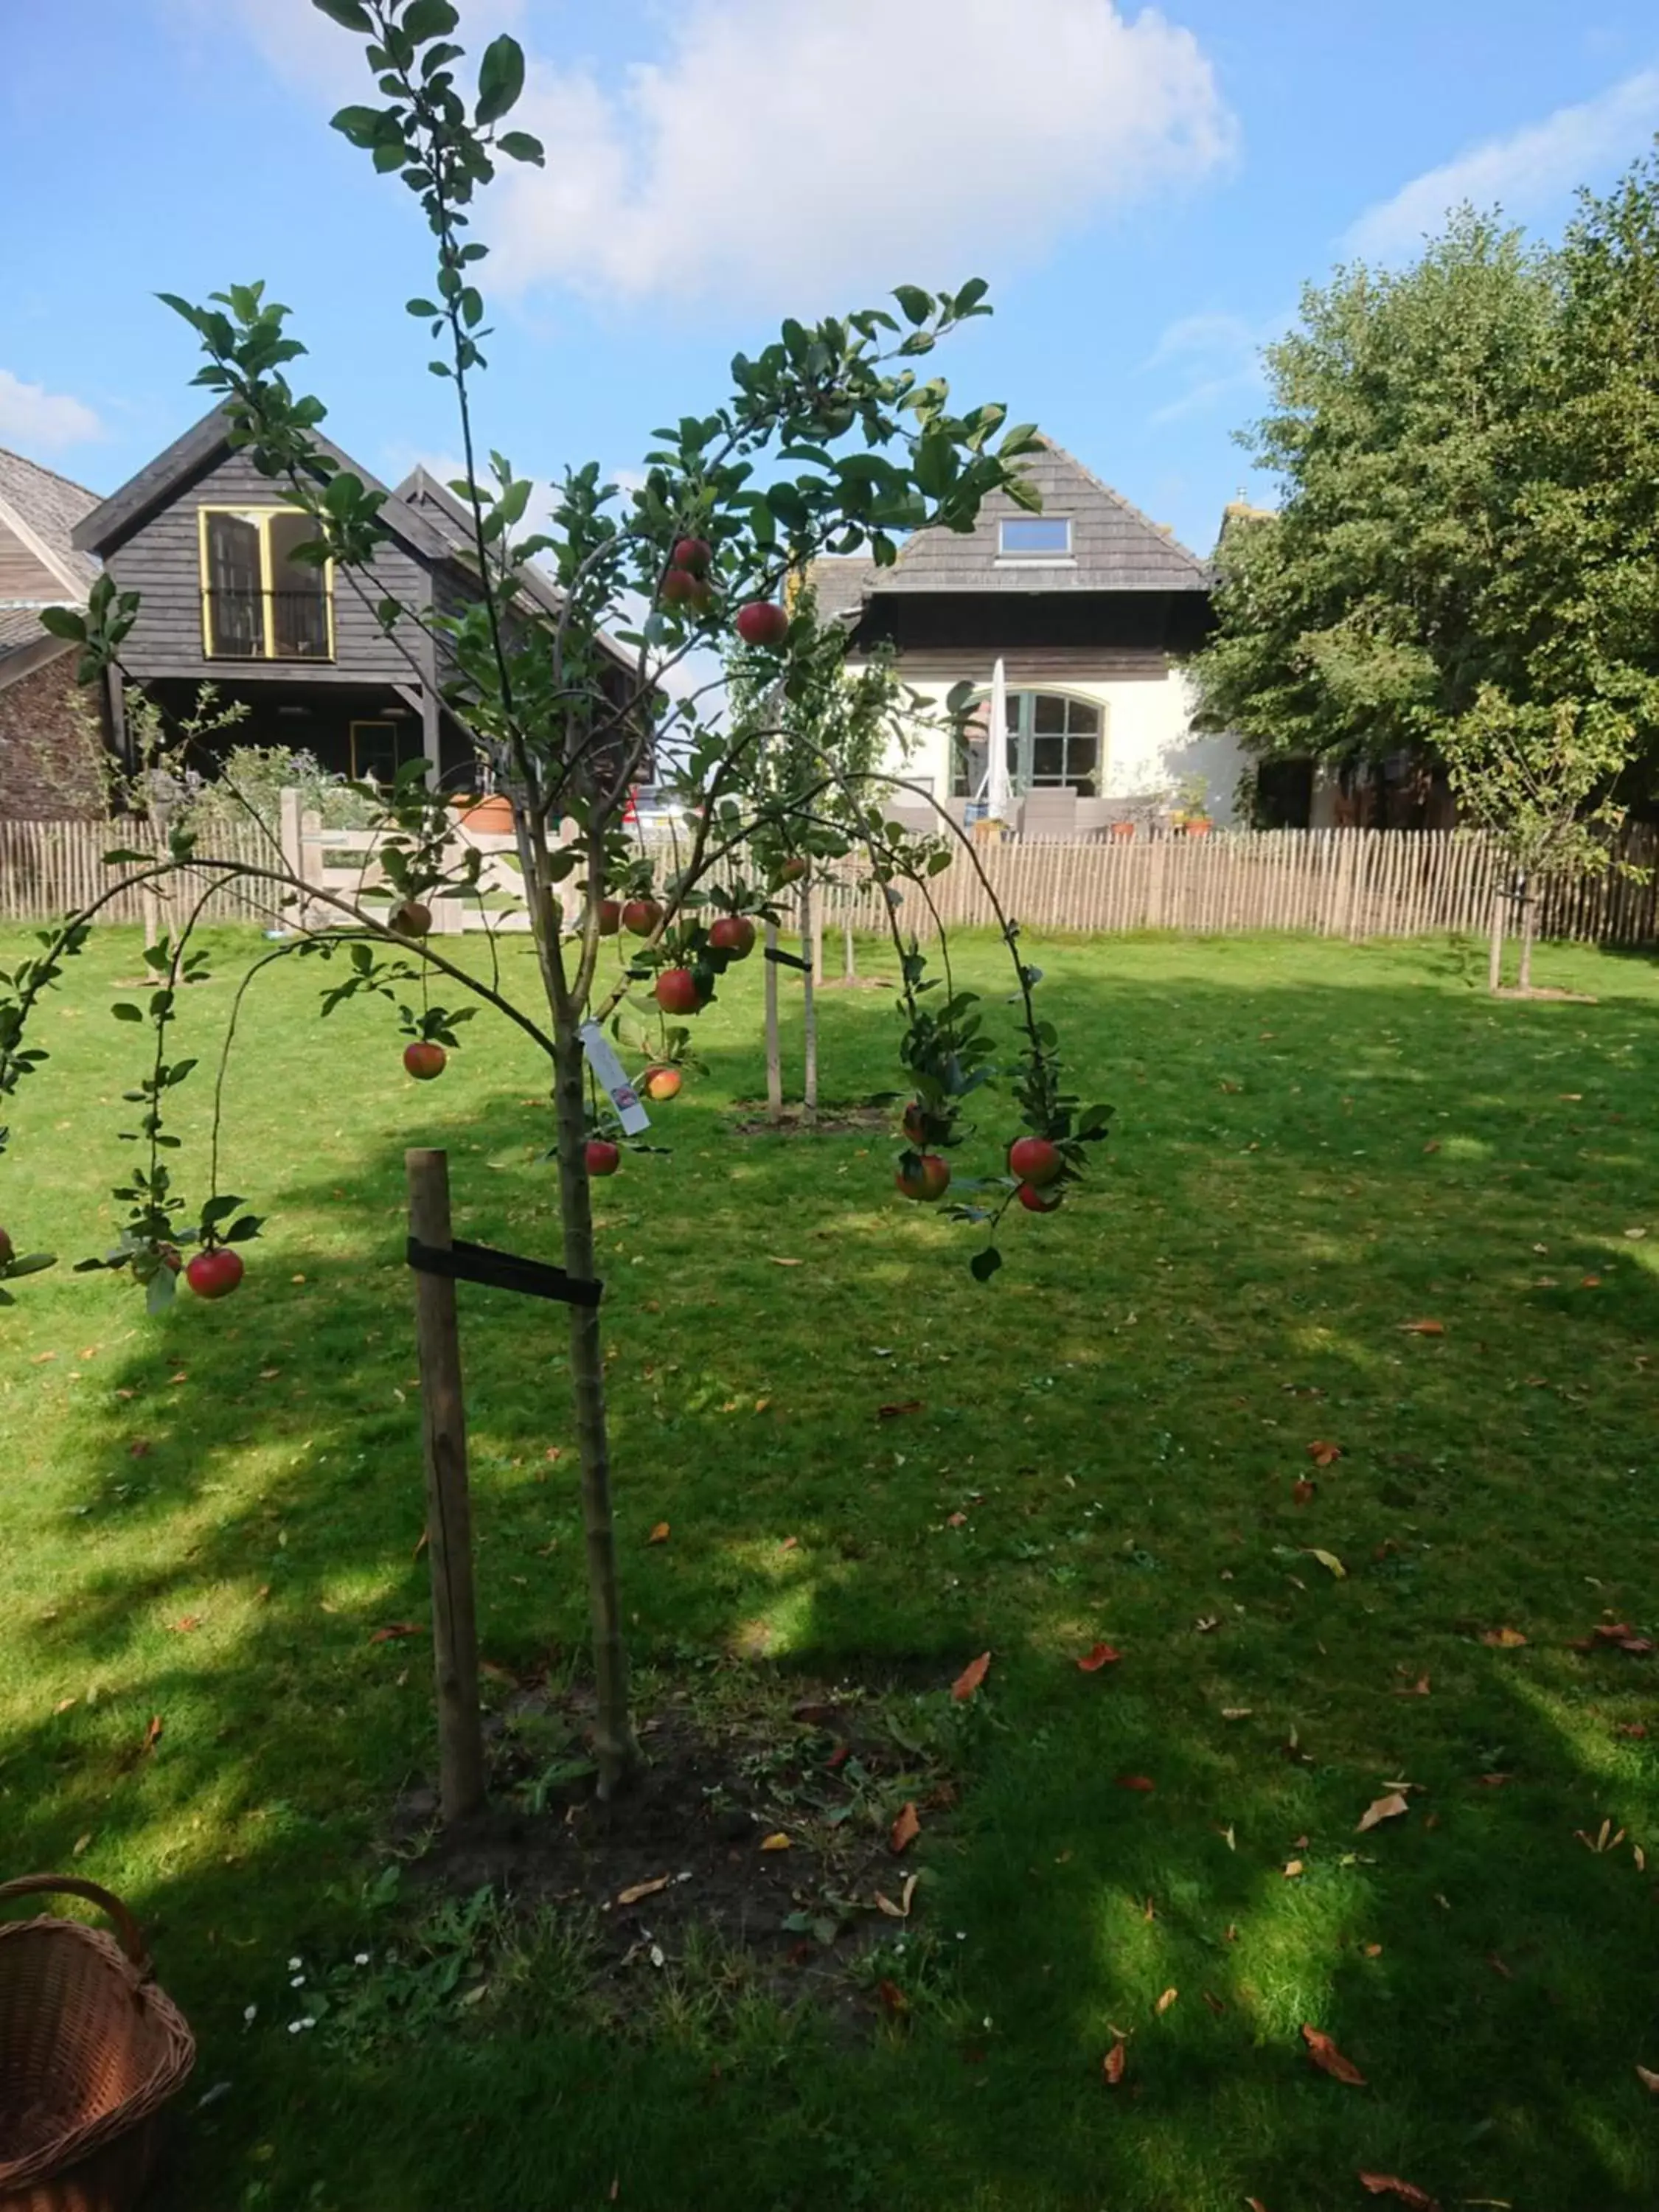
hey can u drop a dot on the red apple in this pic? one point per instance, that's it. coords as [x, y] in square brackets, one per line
[1038, 1201]
[411, 919]
[1035, 1160]
[734, 934]
[791, 871]
[425, 1062]
[916, 1123]
[693, 554]
[763, 623]
[640, 916]
[679, 587]
[661, 1082]
[603, 1157]
[8, 1250]
[215, 1274]
[928, 1179]
[609, 917]
[677, 992]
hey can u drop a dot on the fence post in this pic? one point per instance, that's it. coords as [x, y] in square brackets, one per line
[448, 1505]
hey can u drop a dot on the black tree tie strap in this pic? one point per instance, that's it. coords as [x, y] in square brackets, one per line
[502, 1271]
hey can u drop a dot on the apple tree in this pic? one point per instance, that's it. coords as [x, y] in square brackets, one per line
[832, 438]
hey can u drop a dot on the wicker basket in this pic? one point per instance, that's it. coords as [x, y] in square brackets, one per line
[90, 2049]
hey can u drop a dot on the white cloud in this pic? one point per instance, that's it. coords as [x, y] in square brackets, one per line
[785, 151]
[35, 420]
[1203, 360]
[1525, 174]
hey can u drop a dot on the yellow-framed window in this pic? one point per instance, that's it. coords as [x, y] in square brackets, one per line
[258, 602]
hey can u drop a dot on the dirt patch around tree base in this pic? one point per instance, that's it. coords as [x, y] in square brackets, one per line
[772, 1832]
[840, 1120]
[1546, 991]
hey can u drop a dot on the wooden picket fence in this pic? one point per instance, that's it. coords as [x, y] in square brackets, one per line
[1352, 883]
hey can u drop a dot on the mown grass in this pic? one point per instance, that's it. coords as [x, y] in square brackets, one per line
[1315, 1145]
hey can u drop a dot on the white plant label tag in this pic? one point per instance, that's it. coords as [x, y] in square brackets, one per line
[612, 1079]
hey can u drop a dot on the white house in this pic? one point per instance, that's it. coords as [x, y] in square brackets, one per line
[1086, 606]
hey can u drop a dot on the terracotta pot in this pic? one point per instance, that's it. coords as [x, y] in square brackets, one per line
[491, 817]
[1197, 829]
[1123, 830]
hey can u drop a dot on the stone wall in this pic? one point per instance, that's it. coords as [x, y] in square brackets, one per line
[52, 752]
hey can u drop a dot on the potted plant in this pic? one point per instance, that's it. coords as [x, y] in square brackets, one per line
[1122, 831]
[1188, 810]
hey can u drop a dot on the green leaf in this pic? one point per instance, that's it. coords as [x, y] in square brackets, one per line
[126, 1012]
[32, 1263]
[63, 622]
[424, 308]
[360, 124]
[425, 20]
[519, 146]
[984, 1264]
[121, 853]
[918, 305]
[349, 15]
[500, 79]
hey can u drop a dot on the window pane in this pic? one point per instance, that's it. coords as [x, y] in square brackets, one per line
[1037, 534]
[1082, 716]
[1011, 717]
[1048, 715]
[1082, 765]
[299, 593]
[235, 607]
[375, 751]
[1049, 760]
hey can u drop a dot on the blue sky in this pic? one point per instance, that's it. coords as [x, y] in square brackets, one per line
[1146, 191]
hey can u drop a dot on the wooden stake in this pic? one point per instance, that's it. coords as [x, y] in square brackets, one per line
[448, 1506]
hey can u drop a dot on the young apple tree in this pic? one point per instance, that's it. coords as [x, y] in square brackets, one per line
[831, 439]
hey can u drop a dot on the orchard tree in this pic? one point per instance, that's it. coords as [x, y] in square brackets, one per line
[831, 439]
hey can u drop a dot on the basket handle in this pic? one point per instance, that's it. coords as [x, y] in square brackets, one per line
[70, 1885]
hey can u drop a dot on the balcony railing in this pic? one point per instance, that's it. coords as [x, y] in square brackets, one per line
[245, 625]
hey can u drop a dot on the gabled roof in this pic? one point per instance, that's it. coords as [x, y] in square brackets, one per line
[38, 511]
[1115, 548]
[422, 490]
[42, 508]
[173, 472]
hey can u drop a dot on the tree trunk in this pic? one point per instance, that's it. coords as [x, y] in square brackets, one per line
[615, 1748]
[1495, 964]
[774, 1050]
[849, 966]
[1528, 928]
[810, 944]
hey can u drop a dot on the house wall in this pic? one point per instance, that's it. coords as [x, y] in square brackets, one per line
[1151, 746]
[162, 561]
[51, 746]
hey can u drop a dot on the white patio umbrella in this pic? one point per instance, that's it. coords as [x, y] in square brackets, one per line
[999, 795]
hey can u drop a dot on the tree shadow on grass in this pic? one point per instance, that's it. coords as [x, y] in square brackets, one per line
[1119, 1424]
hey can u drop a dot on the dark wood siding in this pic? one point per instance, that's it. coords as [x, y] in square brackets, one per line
[1099, 621]
[161, 561]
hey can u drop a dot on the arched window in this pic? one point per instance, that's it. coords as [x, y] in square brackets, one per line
[1054, 743]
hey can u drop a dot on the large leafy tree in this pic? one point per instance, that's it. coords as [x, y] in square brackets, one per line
[832, 438]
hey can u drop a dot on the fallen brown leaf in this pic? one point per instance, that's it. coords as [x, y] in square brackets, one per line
[658, 1534]
[391, 1633]
[1323, 1454]
[902, 1910]
[1214, 2002]
[905, 1829]
[1114, 2062]
[1423, 1328]
[1632, 1728]
[1419, 1688]
[1101, 1655]
[1329, 2060]
[1390, 2185]
[894, 1412]
[775, 1842]
[1433, 1144]
[1390, 1807]
[153, 1734]
[140, 1447]
[83, 1844]
[970, 1677]
[184, 1627]
[1503, 1639]
[1165, 2001]
[1292, 1869]
[1649, 2079]
[64, 1705]
[956, 1520]
[420, 1543]
[1498, 1967]
[789, 1543]
[893, 1999]
[644, 1889]
[779, 1262]
[1135, 1781]
[1302, 1491]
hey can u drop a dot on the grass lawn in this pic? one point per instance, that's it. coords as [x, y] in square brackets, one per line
[1315, 1145]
